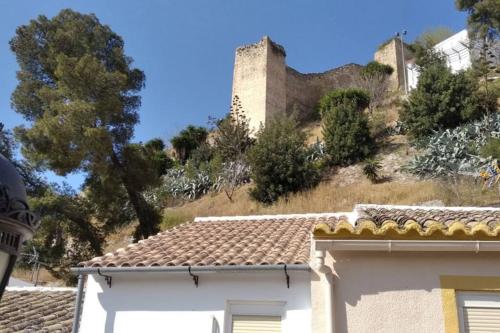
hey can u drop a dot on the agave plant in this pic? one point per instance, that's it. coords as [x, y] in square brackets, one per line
[371, 169]
[456, 151]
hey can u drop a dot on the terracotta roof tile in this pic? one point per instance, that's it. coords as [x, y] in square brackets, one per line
[32, 309]
[250, 241]
[382, 222]
[424, 217]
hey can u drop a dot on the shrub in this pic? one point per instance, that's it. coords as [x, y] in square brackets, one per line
[374, 79]
[441, 100]
[357, 97]
[346, 133]
[491, 149]
[371, 169]
[278, 161]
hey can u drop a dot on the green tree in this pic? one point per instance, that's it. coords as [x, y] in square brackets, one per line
[79, 92]
[155, 151]
[441, 100]
[359, 98]
[374, 79]
[346, 134]
[66, 235]
[232, 138]
[483, 26]
[188, 140]
[33, 182]
[278, 161]
[484, 17]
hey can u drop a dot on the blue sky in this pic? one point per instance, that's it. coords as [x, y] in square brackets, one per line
[186, 48]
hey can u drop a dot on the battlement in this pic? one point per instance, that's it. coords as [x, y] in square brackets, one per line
[275, 47]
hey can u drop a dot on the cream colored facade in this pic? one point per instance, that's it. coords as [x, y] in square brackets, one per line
[392, 292]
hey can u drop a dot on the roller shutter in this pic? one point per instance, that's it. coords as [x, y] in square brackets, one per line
[479, 312]
[254, 324]
[477, 319]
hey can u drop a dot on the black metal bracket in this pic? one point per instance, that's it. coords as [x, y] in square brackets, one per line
[107, 278]
[195, 277]
[287, 278]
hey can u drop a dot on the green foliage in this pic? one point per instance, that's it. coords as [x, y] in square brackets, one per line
[371, 169]
[278, 161]
[357, 97]
[491, 149]
[232, 138]
[483, 25]
[66, 235]
[429, 38]
[484, 17]
[422, 47]
[441, 100]
[155, 152]
[374, 79]
[201, 155]
[346, 134]
[375, 68]
[34, 184]
[188, 140]
[79, 92]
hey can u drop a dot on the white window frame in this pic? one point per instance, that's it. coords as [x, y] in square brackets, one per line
[252, 308]
[479, 299]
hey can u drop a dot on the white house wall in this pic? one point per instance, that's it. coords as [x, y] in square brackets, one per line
[170, 302]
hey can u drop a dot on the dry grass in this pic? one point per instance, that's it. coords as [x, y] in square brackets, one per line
[314, 132]
[44, 277]
[328, 197]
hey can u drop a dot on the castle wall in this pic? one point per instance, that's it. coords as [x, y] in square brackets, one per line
[266, 86]
[303, 91]
[391, 54]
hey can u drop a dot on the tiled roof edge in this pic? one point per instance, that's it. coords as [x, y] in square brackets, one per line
[450, 208]
[270, 217]
[44, 289]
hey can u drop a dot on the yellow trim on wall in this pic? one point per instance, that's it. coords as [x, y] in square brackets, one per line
[411, 230]
[449, 287]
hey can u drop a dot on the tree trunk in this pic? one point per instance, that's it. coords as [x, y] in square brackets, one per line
[148, 217]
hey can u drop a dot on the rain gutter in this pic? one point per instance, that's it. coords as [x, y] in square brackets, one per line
[193, 269]
[475, 246]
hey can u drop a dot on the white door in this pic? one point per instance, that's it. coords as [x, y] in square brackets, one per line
[479, 312]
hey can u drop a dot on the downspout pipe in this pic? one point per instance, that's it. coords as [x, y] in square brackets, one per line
[78, 305]
[327, 282]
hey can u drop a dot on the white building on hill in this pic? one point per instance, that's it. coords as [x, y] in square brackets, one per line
[456, 50]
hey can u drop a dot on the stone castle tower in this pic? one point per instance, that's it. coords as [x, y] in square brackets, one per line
[391, 54]
[266, 86]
